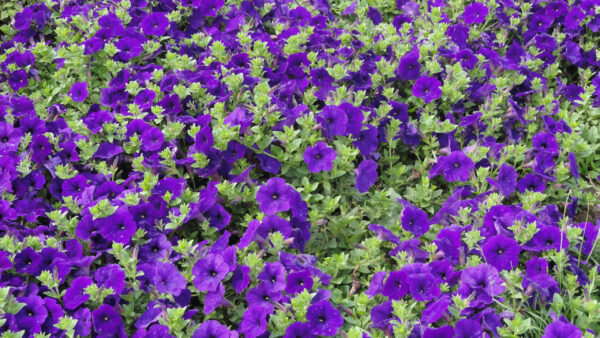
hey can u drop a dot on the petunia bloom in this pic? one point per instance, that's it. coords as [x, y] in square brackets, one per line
[209, 271]
[79, 91]
[366, 176]
[324, 319]
[501, 252]
[427, 88]
[274, 196]
[455, 167]
[155, 24]
[319, 157]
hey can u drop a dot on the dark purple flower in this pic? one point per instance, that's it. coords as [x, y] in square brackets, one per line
[561, 329]
[273, 275]
[254, 321]
[84, 321]
[75, 294]
[424, 287]
[212, 328]
[367, 140]
[299, 329]
[475, 13]
[442, 332]
[209, 272]
[382, 315]
[240, 278]
[573, 165]
[546, 143]
[366, 176]
[129, 48]
[298, 281]
[145, 98]
[374, 15]
[395, 286]
[454, 167]
[111, 276]
[107, 320]
[333, 120]
[409, 67]
[40, 148]
[152, 139]
[435, 310]
[274, 196]
[467, 328]
[118, 227]
[427, 88]
[155, 24]
[548, 238]
[482, 279]
[28, 261]
[263, 295]
[324, 319]
[415, 220]
[376, 285]
[79, 91]
[32, 315]
[531, 182]
[501, 252]
[506, 182]
[319, 157]
[167, 278]
[210, 7]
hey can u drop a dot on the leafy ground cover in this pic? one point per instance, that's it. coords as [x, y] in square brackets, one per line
[259, 168]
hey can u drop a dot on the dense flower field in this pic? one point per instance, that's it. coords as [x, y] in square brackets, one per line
[256, 168]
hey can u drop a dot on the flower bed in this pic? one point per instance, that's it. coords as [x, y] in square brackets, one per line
[299, 168]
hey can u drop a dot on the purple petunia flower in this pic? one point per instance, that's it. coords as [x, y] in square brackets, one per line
[409, 67]
[548, 238]
[531, 182]
[254, 321]
[27, 261]
[366, 176]
[107, 320]
[298, 329]
[382, 315]
[374, 15]
[209, 272]
[166, 278]
[454, 167]
[562, 329]
[155, 24]
[482, 279]
[333, 120]
[31, 317]
[319, 157]
[79, 91]
[75, 295]
[210, 7]
[111, 276]
[298, 281]
[118, 227]
[573, 165]
[501, 252]
[376, 285]
[212, 328]
[152, 139]
[395, 286]
[273, 275]
[475, 13]
[129, 48]
[427, 88]
[506, 182]
[324, 319]
[467, 328]
[274, 196]
[414, 220]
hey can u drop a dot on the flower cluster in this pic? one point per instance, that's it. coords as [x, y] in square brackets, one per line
[256, 168]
